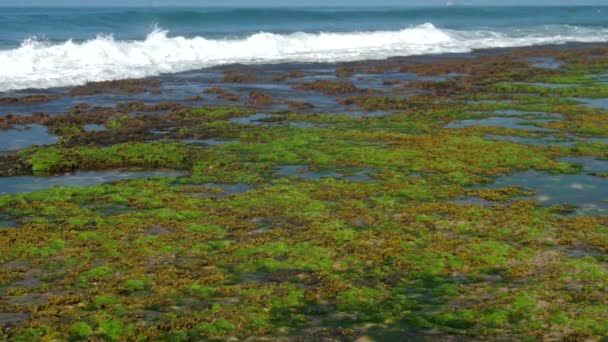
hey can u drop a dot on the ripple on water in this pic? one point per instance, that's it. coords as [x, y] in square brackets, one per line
[533, 115]
[545, 62]
[251, 120]
[6, 221]
[506, 122]
[370, 114]
[595, 103]
[602, 78]
[304, 125]
[217, 190]
[24, 136]
[9, 319]
[589, 164]
[94, 128]
[547, 85]
[586, 192]
[595, 140]
[544, 141]
[24, 184]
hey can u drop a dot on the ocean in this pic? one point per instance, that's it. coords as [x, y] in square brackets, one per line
[44, 48]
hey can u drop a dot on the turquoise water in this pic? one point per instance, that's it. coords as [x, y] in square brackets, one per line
[57, 47]
[60, 24]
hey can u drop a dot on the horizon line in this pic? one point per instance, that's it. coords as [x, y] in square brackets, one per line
[447, 4]
[294, 6]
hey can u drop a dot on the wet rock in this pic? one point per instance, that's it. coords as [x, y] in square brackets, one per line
[120, 87]
[11, 119]
[11, 165]
[214, 90]
[283, 77]
[139, 106]
[255, 119]
[28, 99]
[29, 299]
[15, 265]
[237, 77]
[157, 230]
[376, 69]
[223, 94]
[345, 72]
[328, 87]
[258, 99]
[196, 98]
[297, 105]
[31, 279]
[296, 74]
[94, 128]
[10, 319]
[390, 82]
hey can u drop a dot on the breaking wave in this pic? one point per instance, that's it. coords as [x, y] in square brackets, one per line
[39, 64]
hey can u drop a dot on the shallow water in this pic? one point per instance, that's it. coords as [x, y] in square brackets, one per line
[595, 140]
[545, 141]
[474, 201]
[547, 85]
[24, 136]
[303, 125]
[6, 222]
[545, 62]
[95, 128]
[24, 184]
[110, 209]
[595, 103]
[160, 131]
[8, 319]
[302, 172]
[208, 142]
[506, 122]
[522, 113]
[251, 120]
[371, 114]
[52, 107]
[29, 299]
[225, 189]
[589, 164]
[586, 192]
[579, 250]
[183, 87]
[376, 80]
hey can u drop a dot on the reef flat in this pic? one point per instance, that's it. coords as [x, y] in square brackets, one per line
[458, 197]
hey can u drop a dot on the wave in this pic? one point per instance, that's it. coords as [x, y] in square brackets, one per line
[39, 64]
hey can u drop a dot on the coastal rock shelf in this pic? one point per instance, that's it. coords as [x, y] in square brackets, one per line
[457, 197]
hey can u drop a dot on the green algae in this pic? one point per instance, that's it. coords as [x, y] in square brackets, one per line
[586, 91]
[142, 155]
[297, 257]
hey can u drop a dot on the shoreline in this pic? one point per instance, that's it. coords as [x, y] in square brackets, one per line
[287, 66]
[133, 66]
[423, 198]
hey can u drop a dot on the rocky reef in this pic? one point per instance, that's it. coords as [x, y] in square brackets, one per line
[458, 198]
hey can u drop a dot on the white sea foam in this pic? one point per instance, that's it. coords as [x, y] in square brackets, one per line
[37, 64]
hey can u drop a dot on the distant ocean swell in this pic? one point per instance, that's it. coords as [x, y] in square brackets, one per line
[39, 64]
